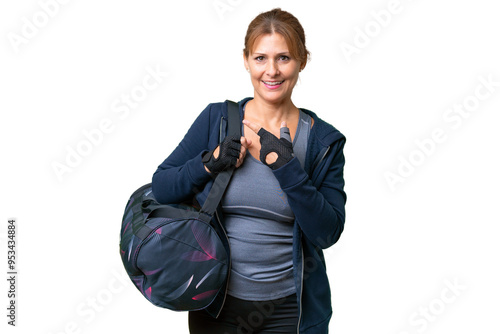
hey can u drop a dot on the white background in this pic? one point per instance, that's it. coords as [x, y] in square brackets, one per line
[401, 247]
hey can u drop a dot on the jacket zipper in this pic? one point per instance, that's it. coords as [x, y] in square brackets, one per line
[322, 158]
[301, 288]
[302, 250]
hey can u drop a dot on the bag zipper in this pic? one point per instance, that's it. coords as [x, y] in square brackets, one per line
[229, 262]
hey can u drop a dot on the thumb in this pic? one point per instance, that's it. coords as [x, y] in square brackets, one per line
[285, 132]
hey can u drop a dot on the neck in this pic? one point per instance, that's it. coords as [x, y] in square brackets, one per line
[272, 113]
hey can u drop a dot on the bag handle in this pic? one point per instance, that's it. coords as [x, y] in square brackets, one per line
[222, 180]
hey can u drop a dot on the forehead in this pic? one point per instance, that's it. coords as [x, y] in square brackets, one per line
[270, 44]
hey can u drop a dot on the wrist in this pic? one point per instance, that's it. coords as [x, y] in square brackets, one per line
[208, 161]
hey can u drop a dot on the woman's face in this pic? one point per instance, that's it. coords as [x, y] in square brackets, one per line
[273, 71]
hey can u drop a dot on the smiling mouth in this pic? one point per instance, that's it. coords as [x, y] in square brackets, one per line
[273, 83]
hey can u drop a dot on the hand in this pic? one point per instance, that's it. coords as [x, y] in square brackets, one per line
[245, 144]
[274, 152]
[233, 153]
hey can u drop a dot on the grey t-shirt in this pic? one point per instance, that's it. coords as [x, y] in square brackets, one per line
[259, 224]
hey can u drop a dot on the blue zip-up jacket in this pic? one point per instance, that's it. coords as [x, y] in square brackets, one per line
[315, 194]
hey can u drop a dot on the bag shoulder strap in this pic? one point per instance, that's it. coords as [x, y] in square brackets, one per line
[233, 115]
[222, 180]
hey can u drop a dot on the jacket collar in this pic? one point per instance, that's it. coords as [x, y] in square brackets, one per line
[326, 133]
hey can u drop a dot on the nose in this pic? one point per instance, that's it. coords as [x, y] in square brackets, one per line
[272, 69]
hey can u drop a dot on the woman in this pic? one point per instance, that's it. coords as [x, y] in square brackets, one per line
[285, 201]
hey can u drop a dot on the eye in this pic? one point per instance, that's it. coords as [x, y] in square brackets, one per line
[284, 58]
[259, 58]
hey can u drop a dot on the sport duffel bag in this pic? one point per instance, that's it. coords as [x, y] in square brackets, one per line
[174, 253]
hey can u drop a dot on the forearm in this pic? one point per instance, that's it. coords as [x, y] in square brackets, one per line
[182, 172]
[175, 184]
[320, 212]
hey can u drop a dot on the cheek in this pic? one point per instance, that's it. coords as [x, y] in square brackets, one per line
[293, 77]
[292, 72]
[256, 76]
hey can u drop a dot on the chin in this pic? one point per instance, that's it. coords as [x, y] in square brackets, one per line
[272, 97]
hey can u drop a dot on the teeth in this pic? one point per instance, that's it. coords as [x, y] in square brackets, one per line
[273, 83]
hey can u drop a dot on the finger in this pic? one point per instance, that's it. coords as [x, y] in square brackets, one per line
[254, 127]
[233, 147]
[241, 158]
[240, 162]
[285, 132]
[246, 142]
[242, 151]
[216, 152]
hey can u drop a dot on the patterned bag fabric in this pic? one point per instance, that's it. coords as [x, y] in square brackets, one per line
[175, 253]
[176, 263]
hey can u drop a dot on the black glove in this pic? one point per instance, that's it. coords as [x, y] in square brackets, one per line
[282, 147]
[229, 152]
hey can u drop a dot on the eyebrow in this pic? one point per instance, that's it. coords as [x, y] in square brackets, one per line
[279, 53]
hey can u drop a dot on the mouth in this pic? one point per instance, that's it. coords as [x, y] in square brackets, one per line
[273, 84]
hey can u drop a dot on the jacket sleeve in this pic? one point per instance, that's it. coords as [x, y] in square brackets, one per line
[182, 172]
[320, 212]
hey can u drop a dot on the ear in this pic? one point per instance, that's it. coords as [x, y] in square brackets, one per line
[245, 62]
